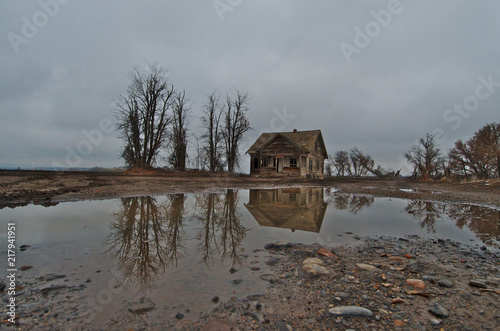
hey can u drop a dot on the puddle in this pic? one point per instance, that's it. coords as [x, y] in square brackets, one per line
[178, 250]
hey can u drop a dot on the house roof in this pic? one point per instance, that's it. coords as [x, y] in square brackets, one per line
[305, 140]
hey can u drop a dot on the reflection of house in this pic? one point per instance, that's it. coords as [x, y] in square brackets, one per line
[298, 153]
[289, 208]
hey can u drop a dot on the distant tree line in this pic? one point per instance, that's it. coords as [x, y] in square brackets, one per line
[153, 118]
[355, 163]
[477, 157]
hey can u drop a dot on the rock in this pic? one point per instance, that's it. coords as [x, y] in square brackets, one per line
[267, 277]
[438, 310]
[434, 321]
[445, 283]
[354, 311]
[255, 268]
[478, 283]
[311, 268]
[24, 247]
[217, 325]
[282, 326]
[47, 289]
[237, 281]
[215, 299]
[399, 323]
[344, 295]
[232, 271]
[255, 297]
[179, 316]
[51, 277]
[324, 252]
[417, 283]
[141, 307]
[367, 267]
[26, 267]
[397, 300]
[256, 317]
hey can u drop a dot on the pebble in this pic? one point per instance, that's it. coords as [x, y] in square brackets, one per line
[267, 277]
[311, 268]
[179, 316]
[215, 299]
[255, 268]
[367, 267]
[282, 326]
[478, 283]
[25, 267]
[217, 325]
[351, 311]
[255, 297]
[141, 307]
[344, 295]
[417, 283]
[434, 321]
[237, 281]
[445, 283]
[439, 311]
[232, 271]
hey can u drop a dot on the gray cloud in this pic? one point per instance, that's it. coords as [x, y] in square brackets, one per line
[284, 53]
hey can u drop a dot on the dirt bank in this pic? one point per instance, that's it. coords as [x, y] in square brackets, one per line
[46, 188]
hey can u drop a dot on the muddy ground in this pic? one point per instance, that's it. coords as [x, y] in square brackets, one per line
[19, 188]
[407, 283]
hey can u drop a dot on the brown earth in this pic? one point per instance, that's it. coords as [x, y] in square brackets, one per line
[45, 187]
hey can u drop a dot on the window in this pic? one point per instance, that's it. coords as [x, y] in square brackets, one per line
[256, 163]
[317, 165]
[310, 165]
[264, 161]
[292, 197]
[293, 162]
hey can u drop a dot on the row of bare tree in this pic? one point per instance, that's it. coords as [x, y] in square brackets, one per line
[355, 163]
[479, 156]
[153, 117]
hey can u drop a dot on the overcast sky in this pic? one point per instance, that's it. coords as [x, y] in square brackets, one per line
[373, 74]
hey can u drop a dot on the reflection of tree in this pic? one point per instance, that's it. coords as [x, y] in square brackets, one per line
[426, 212]
[222, 232]
[484, 222]
[353, 203]
[145, 238]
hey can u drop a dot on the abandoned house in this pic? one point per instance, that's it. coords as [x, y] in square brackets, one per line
[298, 208]
[297, 153]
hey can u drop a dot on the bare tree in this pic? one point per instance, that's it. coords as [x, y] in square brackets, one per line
[367, 164]
[143, 115]
[341, 163]
[178, 155]
[212, 137]
[426, 158]
[234, 127]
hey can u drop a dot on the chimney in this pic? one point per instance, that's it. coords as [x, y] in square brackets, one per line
[294, 130]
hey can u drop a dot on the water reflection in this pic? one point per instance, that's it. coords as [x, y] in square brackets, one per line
[290, 208]
[352, 203]
[426, 212]
[484, 222]
[147, 236]
[222, 233]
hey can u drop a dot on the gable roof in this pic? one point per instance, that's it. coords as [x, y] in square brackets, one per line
[305, 140]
